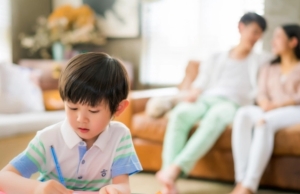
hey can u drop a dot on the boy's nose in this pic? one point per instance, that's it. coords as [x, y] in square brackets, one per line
[81, 118]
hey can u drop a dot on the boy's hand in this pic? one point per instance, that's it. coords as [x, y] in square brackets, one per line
[51, 187]
[109, 189]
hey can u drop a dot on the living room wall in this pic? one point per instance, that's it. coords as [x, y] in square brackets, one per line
[23, 17]
[278, 12]
[24, 14]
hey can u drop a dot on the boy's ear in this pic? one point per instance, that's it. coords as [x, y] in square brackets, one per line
[122, 106]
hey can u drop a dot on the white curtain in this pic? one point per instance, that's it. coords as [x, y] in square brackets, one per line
[175, 31]
[5, 31]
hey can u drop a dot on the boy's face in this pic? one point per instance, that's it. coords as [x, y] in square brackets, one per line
[88, 122]
[250, 34]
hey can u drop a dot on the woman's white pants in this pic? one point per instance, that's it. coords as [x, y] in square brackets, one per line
[252, 141]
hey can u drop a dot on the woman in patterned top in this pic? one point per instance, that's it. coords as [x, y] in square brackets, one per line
[278, 107]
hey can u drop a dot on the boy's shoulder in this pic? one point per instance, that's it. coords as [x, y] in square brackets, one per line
[119, 130]
[119, 127]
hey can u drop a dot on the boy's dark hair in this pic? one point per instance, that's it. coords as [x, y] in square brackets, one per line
[254, 17]
[92, 78]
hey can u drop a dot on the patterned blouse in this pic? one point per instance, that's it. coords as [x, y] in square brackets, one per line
[278, 87]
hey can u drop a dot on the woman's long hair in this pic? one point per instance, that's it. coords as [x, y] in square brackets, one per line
[291, 30]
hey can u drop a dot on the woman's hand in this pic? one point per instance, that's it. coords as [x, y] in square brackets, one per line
[51, 187]
[267, 106]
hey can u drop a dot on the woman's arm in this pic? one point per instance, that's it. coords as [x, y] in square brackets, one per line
[292, 102]
[262, 97]
[286, 103]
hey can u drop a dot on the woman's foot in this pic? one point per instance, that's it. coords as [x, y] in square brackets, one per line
[167, 178]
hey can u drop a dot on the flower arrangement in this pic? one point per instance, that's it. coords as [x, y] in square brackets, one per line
[67, 25]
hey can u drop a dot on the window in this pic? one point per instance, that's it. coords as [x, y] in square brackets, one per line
[5, 33]
[175, 31]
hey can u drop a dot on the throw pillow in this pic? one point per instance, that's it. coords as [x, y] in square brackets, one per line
[19, 91]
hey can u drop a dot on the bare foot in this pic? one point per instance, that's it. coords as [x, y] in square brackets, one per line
[167, 178]
[236, 189]
[240, 189]
[244, 190]
[169, 190]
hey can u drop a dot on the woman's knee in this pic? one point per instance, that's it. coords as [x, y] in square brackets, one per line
[264, 128]
[261, 123]
[245, 113]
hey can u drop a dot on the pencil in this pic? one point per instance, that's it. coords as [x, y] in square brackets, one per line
[60, 176]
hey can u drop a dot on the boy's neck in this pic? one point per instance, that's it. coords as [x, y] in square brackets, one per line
[240, 52]
[90, 142]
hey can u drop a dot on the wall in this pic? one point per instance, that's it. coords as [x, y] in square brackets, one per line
[127, 50]
[24, 14]
[278, 12]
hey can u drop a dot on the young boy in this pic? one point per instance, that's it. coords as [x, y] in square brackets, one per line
[94, 153]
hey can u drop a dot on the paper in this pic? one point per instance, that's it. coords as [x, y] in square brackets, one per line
[76, 192]
[83, 192]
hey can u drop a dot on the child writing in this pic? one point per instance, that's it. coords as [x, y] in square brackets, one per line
[93, 152]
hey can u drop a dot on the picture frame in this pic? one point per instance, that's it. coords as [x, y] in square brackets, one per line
[117, 18]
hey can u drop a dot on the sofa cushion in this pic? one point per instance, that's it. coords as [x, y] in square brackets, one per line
[146, 127]
[52, 100]
[19, 91]
[287, 141]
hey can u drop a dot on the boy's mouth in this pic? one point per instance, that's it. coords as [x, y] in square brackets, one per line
[83, 130]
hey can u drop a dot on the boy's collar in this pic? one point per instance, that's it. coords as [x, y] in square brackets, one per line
[72, 139]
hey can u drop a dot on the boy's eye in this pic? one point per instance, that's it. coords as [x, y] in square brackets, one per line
[94, 111]
[72, 108]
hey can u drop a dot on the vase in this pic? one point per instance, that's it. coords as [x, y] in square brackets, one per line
[58, 51]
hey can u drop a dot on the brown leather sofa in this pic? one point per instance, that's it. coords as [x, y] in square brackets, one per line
[283, 170]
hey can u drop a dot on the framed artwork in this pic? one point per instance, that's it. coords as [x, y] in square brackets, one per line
[117, 18]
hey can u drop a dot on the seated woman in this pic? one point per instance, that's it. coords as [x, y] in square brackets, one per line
[278, 107]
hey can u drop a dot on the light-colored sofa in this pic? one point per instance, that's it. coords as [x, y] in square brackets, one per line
[26, 122]
[21, 123]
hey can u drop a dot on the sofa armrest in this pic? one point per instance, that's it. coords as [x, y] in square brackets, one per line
[139, 98]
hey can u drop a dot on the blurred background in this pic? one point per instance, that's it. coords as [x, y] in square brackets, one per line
[152, 33]
[155, 39]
